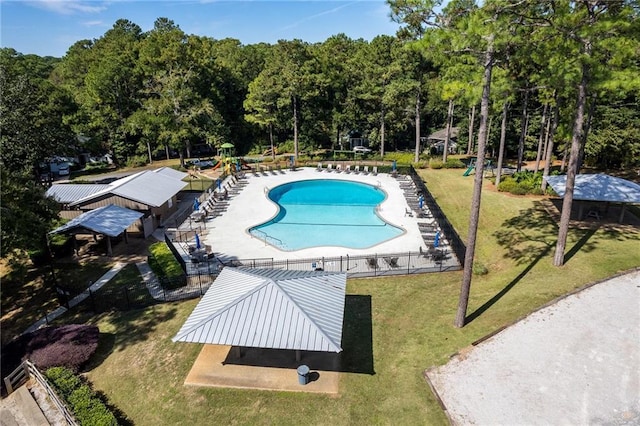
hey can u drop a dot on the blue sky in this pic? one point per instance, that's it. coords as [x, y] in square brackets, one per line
[50, 27]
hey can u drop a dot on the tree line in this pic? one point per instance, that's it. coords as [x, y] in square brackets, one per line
[527, 80]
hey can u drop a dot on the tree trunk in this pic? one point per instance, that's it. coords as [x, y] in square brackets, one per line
[416, 157]
[523, 131]
[587, 128]
[448, 136]
[549, 151]
[563, 166]
[541, 137]
[273, 150]
[576, 142]
[463, 302]
[382, 132]
[166, 151]
[503, 136]
[472, 117]
[149, 152]
[295, 127]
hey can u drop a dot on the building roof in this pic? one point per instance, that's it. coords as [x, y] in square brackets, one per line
[150, 187]
[169, 172]
[269, 308]
[66, 193]
[441, 134]
[598, 187]
[108, 220]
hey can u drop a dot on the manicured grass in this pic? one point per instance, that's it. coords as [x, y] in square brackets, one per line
[395, 327]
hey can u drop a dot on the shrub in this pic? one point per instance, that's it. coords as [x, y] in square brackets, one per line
[87, 407]
[435, 164]
[507, 184]
[165, 260]
[454, 163]
[70, 346]
[136, 161]
[164, 264]
[479, 269]
[519, 190]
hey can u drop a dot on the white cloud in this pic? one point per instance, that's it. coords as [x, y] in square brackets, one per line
[94, 24]
[69, 7]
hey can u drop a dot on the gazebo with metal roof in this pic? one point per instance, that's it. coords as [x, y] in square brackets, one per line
[598, 188]
[110, 221]
[270, 308]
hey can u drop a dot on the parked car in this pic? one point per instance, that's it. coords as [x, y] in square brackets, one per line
[361, 150]
[63, 169]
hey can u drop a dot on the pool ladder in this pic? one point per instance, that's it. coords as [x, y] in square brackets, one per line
[267, 237]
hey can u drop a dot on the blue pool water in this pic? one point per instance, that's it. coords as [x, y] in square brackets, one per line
[316, 213]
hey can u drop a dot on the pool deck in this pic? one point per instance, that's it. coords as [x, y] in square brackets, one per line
[229, 238]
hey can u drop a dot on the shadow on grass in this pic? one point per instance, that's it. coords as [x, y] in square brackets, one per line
[581, 244]
[357, 346]
[489, 303]
[528, 236]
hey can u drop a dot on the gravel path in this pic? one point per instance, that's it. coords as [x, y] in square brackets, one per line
[576, 361]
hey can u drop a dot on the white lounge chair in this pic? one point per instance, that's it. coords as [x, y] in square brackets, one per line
[339, 168]
[319, 168]
[366, 170]
[356, 170]
[348, 169]
[329, 168]
[375, 170]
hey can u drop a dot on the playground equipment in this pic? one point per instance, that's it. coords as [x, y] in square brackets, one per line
[488, 165]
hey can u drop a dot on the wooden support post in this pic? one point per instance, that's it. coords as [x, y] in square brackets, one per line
[298, 355]
[109, 250]
[621, 218]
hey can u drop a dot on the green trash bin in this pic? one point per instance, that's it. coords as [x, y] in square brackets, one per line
[303, 374]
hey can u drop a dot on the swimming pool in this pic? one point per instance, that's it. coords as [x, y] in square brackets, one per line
[326, 212]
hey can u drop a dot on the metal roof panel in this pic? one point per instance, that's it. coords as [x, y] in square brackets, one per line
[254, 308]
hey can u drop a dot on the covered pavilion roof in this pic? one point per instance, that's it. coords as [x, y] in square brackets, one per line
[270, 308]
[598, 187]
[109, 220]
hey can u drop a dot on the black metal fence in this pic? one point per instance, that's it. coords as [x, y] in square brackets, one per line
[370, 265]
[455, 242]
[198, 277]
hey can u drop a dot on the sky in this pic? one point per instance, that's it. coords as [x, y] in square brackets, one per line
[50, 27]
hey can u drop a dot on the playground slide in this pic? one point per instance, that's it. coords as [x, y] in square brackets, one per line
[217, 165]
[469, 170]
[244, 164]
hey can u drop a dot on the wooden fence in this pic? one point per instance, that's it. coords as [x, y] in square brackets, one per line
[27, 370]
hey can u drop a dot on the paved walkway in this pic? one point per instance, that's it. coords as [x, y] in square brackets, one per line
[79, 298]
[574, 362]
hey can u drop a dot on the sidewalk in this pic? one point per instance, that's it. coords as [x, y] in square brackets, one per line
[79, 298]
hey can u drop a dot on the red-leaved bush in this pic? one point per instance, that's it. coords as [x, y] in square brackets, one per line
[68, 346]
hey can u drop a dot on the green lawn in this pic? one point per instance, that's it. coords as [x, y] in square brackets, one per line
[395, 327]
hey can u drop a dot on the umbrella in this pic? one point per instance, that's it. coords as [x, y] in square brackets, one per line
[197, 242]
[436, 241]
[421, 201]
[196, 204]
[219, 182]
[393, 167]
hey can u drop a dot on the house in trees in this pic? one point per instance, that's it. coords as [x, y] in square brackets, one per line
[356, 139]
[436, 140]
[151, 192]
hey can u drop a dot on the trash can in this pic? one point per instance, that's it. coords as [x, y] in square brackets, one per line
[303, 374]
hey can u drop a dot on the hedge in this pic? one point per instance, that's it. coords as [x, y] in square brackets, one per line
[84, 403]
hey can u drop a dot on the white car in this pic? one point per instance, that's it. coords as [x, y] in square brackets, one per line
[63, 169]
[361, 150]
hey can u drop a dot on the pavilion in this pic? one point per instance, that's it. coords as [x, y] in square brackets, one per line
[270, 308]
[599, 188]
[110, 221]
